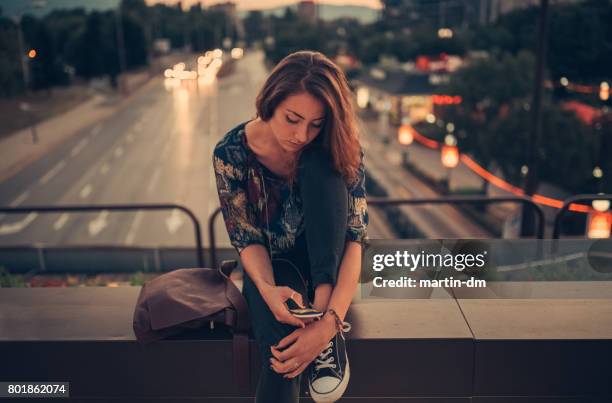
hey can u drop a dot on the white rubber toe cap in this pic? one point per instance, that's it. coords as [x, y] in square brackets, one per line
[325, 384]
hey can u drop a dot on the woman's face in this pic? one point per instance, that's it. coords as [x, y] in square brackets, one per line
[297, 121]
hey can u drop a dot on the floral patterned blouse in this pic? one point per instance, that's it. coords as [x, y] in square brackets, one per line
[241, 194]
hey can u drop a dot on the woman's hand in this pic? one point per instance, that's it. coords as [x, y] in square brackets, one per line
[301, 347]
[275, 298]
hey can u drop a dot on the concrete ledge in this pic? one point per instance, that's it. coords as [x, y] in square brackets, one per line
[441, 350]
[539, 319]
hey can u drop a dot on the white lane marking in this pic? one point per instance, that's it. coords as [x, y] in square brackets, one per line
[105, 168]
[174, 221]
[86, 191]
[96, 130]
[59, 224]
[19, 199]
[77, 149]
[154, 180]
[52, 172]
[98, 224]
[118, 151]
[15, 227]
[129, 239]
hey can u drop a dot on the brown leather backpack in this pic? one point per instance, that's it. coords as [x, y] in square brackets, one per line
[193, 298]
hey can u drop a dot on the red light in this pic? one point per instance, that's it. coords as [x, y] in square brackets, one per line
[446, 99]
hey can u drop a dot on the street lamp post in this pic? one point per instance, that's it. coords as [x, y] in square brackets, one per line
[449, 156]
[536, 118]
[405, 137]
[120, 50]
[24, 62]
[383, 120]
[599, 221]
[23, 59]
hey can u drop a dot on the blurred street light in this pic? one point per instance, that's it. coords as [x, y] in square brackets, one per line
[597, 172]
[450, 140]
[445, 33]
[564, 81]
[269, 41]
[601, 205]
[405, 136]
[363, 95]
[32, 53]
[599, 224]
[604, 91]
[450, 156]
[237, 53]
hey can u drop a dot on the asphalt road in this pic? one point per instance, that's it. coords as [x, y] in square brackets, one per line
[155, 150]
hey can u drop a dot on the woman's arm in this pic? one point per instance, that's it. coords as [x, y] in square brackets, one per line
[244, 233]
[339, 298]
[348, 278]
[305, 344]
[257, 264]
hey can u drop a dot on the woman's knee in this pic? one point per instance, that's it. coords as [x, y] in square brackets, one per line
[316, 171]
[314, 162]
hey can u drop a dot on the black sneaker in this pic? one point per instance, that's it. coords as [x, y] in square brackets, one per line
[329, 373]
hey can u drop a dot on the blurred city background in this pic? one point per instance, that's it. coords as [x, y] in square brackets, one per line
[107, 102]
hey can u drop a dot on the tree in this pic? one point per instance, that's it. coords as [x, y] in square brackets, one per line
[46, 68]
[95, 53]
[584, 52]
[254, 24]
[602, 127]
[11, 81]
[489, 89]
[565, 155]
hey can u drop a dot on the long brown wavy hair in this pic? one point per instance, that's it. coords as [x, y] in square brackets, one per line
[312, 72]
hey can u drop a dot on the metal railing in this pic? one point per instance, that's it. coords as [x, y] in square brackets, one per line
[381, 201]
[211, 237]
[568, 202]
[118, 207]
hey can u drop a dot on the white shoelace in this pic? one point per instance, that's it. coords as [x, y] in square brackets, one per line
[324, 360]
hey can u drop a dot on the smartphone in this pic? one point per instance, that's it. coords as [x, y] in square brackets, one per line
[307, 313]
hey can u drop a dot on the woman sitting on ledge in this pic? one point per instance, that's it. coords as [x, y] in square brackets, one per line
[292, 193]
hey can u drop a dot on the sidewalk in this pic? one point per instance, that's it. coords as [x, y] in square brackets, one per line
[17, 150]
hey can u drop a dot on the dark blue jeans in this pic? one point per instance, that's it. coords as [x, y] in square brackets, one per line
[316, 257]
